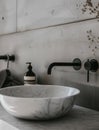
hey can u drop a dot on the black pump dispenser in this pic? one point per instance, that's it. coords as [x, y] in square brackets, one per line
[29, 77]
[30, 72]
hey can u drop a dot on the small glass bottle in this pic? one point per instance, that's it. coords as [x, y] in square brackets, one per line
[29, 77]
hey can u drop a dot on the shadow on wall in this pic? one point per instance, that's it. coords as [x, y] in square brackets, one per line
[88, 97]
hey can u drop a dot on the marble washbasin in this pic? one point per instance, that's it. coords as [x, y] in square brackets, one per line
[38, 102]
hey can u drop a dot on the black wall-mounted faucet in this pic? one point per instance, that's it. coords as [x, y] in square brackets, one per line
[76, 65]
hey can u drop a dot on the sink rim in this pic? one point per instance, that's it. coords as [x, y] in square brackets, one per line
[77, 91]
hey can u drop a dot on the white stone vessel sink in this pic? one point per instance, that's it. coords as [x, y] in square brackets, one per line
[38, 101]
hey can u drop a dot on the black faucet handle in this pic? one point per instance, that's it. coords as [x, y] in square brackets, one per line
[91, 65]
[87, 75]
[87, 66]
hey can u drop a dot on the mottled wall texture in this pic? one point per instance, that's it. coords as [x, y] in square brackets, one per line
[46, 31]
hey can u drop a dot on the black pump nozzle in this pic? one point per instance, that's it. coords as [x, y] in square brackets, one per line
[28, 63]
[29, 72]
[30, 66]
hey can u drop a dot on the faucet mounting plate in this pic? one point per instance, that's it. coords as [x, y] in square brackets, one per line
[78, 62]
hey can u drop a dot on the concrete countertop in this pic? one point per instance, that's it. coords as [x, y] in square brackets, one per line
[79, 118]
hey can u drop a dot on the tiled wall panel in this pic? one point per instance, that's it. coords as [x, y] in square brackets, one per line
[7, 16]
[32, 14]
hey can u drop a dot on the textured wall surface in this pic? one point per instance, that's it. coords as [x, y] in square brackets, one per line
[49, 31]
[7, 16]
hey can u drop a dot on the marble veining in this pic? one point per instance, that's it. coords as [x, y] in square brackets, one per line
[41, 101]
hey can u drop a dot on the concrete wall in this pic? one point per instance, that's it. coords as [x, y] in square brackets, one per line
[49, 31]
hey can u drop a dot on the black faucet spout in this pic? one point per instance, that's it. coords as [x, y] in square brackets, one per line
[76, 65]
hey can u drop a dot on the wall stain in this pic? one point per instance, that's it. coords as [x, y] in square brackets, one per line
[89, 6]
[53, 12]
[2, 18]
[93, 41]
